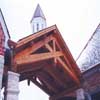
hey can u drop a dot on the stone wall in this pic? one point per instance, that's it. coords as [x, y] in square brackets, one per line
[92, 78]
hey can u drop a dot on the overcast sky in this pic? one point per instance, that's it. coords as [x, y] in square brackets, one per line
[75, 19]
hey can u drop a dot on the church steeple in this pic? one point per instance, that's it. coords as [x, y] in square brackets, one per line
[38, 21]
[38, 12]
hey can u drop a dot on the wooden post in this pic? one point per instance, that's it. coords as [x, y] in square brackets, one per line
[88, 96]
[80, 95]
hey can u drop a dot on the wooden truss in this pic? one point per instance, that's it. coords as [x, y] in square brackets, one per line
[44, 59]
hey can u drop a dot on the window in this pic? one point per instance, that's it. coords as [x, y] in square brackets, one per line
[37, 27]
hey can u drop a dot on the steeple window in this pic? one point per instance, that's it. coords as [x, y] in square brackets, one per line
[37, 27]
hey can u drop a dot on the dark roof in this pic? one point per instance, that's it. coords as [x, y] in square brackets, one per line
[4, 22]
[38, 13]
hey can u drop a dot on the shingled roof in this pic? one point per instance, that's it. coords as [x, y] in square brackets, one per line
[90, 55]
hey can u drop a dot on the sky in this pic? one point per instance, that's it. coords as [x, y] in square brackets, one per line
[75, 19]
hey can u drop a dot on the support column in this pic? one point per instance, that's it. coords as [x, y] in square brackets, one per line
[12, 86]
[88, 96]
[1, 71]
[80, 94]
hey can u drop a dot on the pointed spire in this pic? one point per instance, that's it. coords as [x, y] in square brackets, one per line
[38, 12]
[38, 21]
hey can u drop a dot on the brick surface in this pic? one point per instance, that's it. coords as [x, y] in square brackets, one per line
[92, 78]
[2, 40]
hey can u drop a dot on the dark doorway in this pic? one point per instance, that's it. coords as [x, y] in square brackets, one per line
[96, 96]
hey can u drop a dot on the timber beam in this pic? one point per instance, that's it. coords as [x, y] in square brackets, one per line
[61, 94]
[34, 47]
[55, 76]
[32, 37]
[40, 86]
[38, 57]
[69, 71]
[42, 76]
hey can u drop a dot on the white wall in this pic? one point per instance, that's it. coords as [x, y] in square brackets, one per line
[40, 21]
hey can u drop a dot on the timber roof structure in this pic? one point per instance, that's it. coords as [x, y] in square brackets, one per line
[44, 59]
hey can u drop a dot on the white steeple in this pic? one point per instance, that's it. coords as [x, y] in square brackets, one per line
[38, 21]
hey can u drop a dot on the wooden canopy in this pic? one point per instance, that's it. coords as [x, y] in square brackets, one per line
[44, 59]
